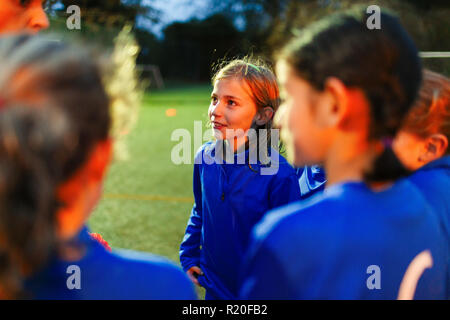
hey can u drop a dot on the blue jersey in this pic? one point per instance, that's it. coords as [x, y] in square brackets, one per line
[311, 180]
[433, 180]
[229, 200]
[123, 274]
[346, 243]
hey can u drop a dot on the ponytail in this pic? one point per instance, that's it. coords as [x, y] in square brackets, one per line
[386, 167]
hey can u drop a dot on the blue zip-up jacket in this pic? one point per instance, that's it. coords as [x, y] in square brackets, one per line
[346, 243]
[433, 180]
[229, 200]
[311, 180]
[120, 275]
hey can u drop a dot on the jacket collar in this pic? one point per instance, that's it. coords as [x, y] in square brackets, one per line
[441, 163]
[217, 153]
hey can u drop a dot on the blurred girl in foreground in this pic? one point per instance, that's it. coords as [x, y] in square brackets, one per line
[347, 90]
[54, 153]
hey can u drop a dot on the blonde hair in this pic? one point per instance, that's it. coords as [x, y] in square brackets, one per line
[261, 80]
[259, 77]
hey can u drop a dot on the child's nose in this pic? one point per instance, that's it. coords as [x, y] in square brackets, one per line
[38, 19]
[216, 110]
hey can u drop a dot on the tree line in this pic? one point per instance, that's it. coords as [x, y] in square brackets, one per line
[188, 50]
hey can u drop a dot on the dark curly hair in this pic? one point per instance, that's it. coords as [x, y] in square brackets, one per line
[39, 150]
[35, 144]
[38, 70]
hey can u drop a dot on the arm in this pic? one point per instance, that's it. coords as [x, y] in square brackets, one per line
[190, 246]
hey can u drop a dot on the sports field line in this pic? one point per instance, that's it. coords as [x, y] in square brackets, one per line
[144, 197]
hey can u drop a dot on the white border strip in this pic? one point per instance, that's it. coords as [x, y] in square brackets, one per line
[434, 54]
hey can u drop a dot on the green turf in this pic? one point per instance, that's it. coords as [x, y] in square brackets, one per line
[152, 224]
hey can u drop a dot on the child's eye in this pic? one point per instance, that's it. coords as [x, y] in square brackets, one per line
[214, 100]
[24, 3]
[232, 103]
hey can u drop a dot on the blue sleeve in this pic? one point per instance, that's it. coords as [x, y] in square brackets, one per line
[285, 190]
[190, 246]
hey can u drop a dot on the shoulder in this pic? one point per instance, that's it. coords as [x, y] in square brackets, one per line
[152, 271]
[147, 262]
[317, 217]
[439, 164]
[435, 174]
[121, 274]
[206, 150]
[142, 258]
[297, 219]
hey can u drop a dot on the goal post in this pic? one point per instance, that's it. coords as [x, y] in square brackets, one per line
[435, 54]
[153, 72]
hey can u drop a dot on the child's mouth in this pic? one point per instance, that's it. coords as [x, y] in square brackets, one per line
[217, 125]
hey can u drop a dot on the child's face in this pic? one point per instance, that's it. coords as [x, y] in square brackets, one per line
[304, 133]
[408, 149]
[232, 108]
[415, 152]
[22, 15]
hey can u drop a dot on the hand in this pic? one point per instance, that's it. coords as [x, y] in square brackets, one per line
[193, 273]
[99, 238]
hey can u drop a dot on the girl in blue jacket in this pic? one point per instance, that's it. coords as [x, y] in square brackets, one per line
[347, 89]
[422, 146]
[236, 179]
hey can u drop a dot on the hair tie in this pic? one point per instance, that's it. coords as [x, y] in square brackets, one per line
[387, 142]
[254, 66]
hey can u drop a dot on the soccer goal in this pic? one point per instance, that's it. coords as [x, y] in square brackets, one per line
[435, 54]
[437, 61]
[152, 72]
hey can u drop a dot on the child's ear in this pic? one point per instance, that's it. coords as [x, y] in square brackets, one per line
[100, 158]
[264, 116]
[435, 147]
[334, 106]
[344, 107]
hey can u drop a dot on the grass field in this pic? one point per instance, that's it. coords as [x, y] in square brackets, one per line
[147, 199]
